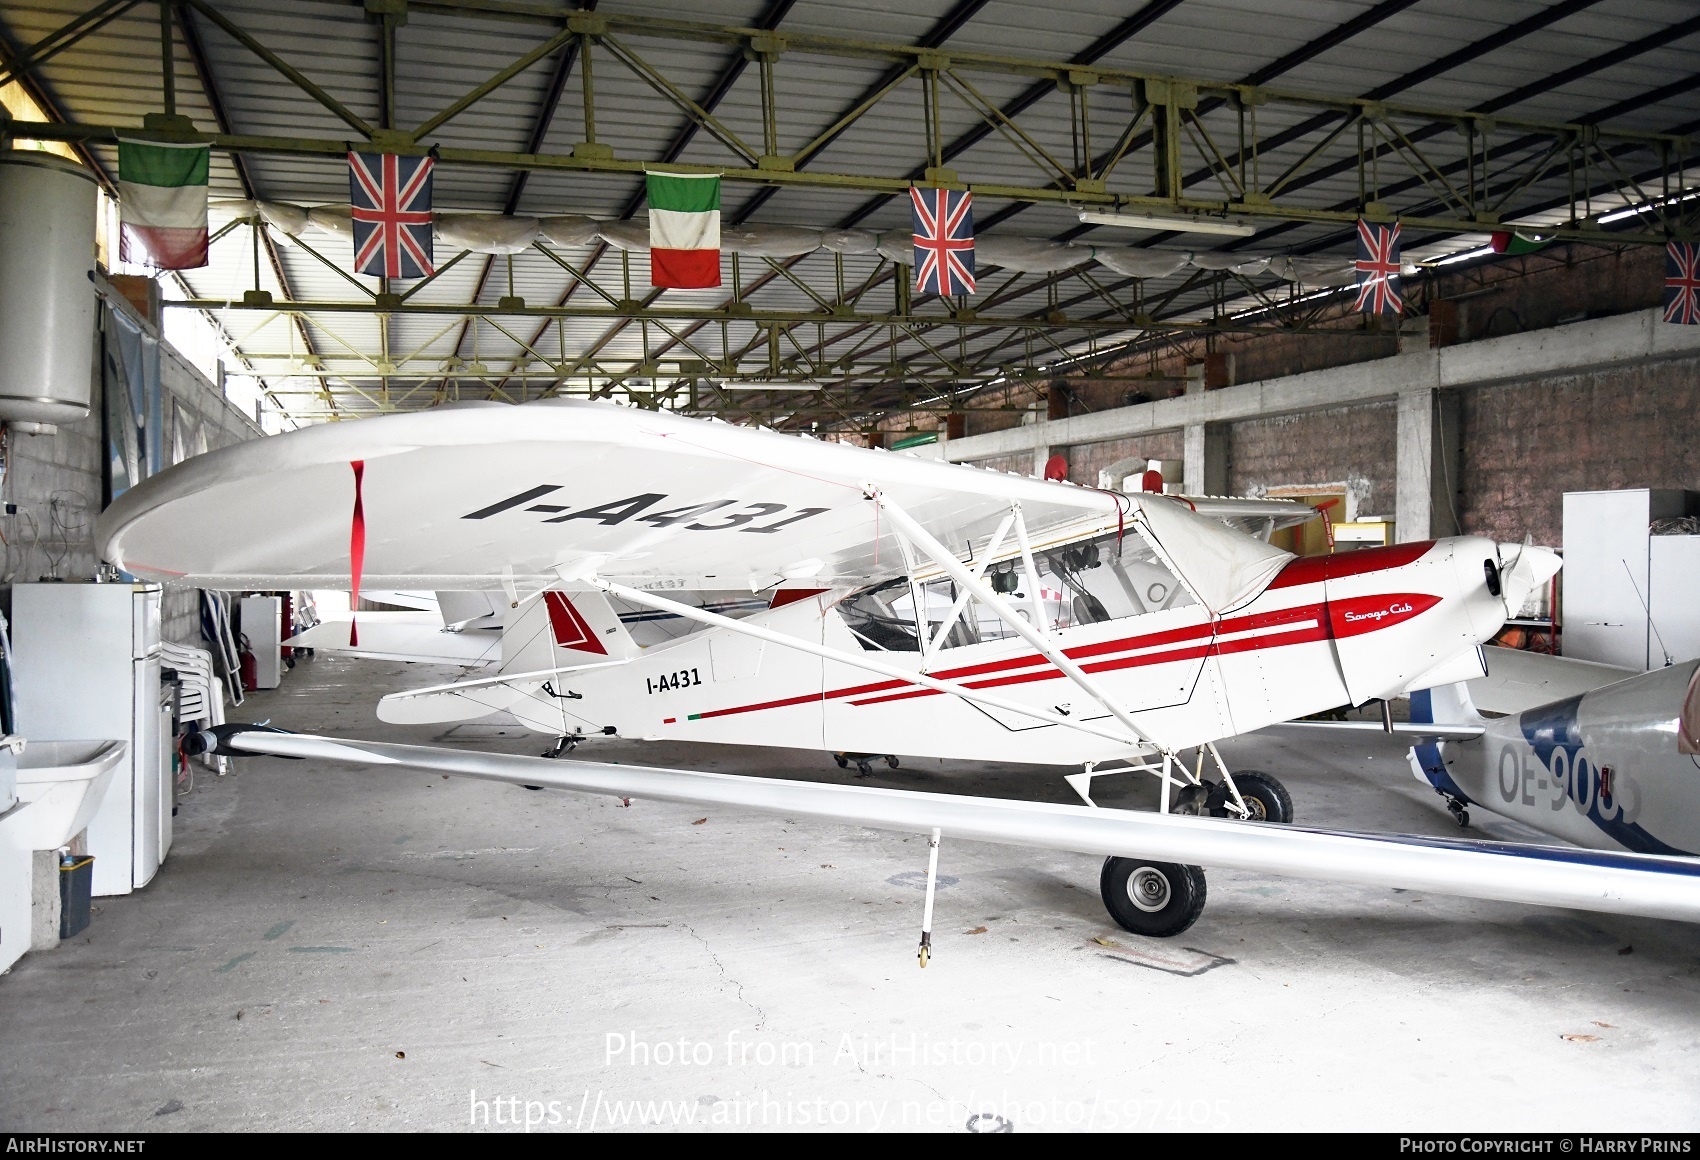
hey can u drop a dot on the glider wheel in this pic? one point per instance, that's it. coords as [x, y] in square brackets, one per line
[843, 762]
[1266, 798]
[1156, 899]
[1459, 813]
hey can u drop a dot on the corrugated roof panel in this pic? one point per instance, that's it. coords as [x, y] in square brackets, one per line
[115, 78]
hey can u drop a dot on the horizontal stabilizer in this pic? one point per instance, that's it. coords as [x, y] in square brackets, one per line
[1643, 884]
[402, 636]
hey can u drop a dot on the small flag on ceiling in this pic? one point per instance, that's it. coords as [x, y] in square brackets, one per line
[684, 230]
[1682, 283]
[390, 201]
[162, 203]
[944, 240]
[1516, 242]
[1378, 269]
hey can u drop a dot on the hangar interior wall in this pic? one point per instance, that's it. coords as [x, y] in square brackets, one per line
[56, 480]
[1522, 445]
[1526, 444]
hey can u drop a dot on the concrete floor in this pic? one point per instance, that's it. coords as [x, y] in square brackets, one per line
[337, 948]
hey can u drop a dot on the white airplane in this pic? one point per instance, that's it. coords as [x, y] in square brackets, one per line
[908, 614]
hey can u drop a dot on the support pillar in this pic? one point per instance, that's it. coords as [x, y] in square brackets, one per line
[1427, 458]
[1205, 456]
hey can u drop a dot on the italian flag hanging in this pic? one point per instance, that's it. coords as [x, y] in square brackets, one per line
[684, 230]
[1517, 242]
[162, 201]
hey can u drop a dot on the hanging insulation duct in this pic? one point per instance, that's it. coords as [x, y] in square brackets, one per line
[47, 302]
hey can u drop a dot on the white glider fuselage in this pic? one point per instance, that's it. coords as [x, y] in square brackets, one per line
[1603, 769]
[1327, 631]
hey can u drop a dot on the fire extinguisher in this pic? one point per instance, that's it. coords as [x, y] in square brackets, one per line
[249, 668]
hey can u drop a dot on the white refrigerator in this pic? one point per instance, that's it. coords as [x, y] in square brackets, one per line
[87, 667]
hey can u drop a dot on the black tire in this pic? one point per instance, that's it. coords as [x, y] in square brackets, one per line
[1266, 798]
[843, 762]
[1171, 896]
[891, 761]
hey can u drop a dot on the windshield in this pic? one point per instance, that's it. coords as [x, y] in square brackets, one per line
[1107, 578]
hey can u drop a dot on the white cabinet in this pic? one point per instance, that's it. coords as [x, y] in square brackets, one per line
[1620, 582]
[86, 667]
[262, 624]
[1673, 593]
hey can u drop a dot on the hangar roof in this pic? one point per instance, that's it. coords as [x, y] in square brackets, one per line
[1449, 116]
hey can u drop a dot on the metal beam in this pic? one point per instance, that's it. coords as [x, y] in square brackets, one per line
[1270, 202]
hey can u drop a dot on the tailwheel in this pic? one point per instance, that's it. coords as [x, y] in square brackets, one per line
[563, 746]
[1157, 899]
[1266, 799]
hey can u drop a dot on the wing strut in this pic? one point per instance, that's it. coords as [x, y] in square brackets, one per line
[1032, 634]
[703, 616]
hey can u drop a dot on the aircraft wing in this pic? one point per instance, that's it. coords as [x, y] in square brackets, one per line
[1644, 884]
[1517, 679]
[486, 495]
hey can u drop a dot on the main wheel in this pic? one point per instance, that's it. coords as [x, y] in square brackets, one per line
[1158, 899]
[1266, 798]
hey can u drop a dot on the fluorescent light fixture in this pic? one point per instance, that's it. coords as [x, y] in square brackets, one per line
[1185, 225]
[769, 385]
[1462, 256]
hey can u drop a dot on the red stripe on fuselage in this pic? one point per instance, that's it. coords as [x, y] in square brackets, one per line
[1354, 617]
[1316, 569]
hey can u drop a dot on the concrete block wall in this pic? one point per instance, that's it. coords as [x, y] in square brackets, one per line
[56, 482]
[1021, 464]
[1085, 460]
[1525, 444]
[1354, 445]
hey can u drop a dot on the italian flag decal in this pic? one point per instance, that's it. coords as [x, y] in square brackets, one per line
[162, 200]
[684, 231]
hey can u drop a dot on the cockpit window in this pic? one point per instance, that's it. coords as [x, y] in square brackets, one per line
[1084, 583]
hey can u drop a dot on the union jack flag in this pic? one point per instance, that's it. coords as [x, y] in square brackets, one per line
[1378, 269]
[1682, 283]
[390, 200]
[944, 241]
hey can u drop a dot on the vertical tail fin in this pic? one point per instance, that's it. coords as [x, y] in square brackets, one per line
[560, 629]
[1445, 705]
[1441, 705]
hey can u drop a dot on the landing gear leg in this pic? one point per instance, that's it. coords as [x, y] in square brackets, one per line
[1250, 794]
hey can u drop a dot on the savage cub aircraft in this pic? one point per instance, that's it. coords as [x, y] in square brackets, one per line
[914, 607]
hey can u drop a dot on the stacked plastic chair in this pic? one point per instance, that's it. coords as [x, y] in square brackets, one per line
[202, 695]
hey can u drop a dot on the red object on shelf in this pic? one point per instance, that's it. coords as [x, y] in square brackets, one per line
[1056, 467]
[1152, 480]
